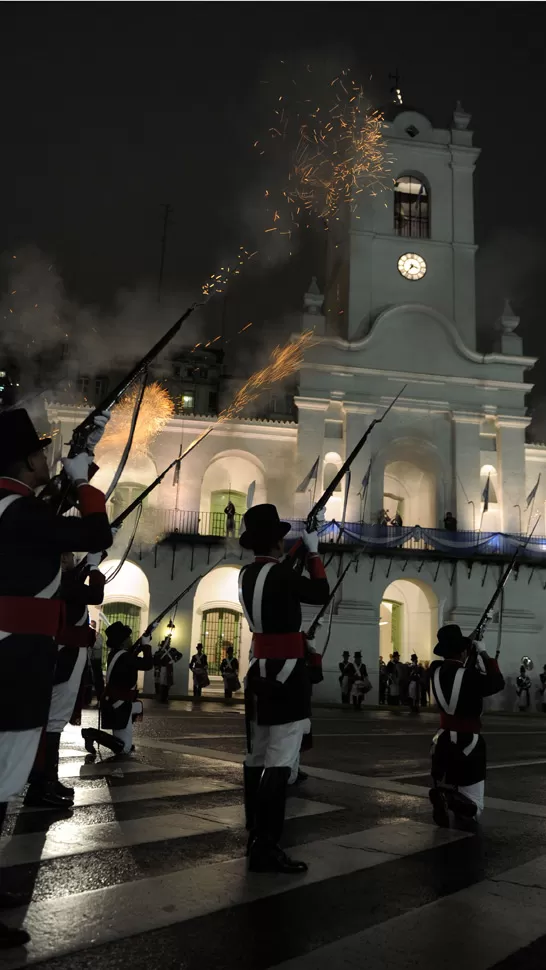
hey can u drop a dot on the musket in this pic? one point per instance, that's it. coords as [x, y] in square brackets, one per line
[310, 635]
[57, 491]
[120, 519]
[487, 615]
[311, 522]
[137, 646]
[328, 492]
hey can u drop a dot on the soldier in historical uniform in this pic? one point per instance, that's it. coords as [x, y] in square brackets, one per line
[119, 706]
[459, 752]
[32, 539]
[74, 639]
[278, 685]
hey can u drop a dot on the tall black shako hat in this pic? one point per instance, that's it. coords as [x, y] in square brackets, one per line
[451, 641]
[18, 437]
[116, 634]
[262, 525]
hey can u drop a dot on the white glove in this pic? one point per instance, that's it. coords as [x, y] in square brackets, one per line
[100, 421]
[114, 529]
[321, 518]
[77, 468]
[310, 541]
[94, 559]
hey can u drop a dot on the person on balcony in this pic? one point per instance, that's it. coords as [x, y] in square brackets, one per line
[199, 668]
[229, 512]
[397, 520]
[383, 517]
[450, 522]
[460, 681]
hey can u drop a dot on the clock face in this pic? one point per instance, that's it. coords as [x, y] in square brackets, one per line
[412, 266]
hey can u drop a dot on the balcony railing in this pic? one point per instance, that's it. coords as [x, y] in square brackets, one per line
[373, 538]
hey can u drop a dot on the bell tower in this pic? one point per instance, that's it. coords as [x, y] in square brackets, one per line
[415, 244]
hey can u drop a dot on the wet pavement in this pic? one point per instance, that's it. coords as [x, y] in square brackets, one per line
[148, 869]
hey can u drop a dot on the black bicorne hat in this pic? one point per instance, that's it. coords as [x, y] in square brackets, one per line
[451, 641]
[117, 633]
[18, 436]
[262, 524]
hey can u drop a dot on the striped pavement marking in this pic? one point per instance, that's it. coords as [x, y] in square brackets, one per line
[66, 925]
[377, 782]
[77, 769]
[73, 838]
[84, 797]
[475, 928]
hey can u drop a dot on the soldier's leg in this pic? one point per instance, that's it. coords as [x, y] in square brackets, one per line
[252, 772]
[282, 750]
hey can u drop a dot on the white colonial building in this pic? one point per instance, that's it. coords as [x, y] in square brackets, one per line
[404, 316]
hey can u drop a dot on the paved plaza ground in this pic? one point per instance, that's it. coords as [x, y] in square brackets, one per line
[148, 870]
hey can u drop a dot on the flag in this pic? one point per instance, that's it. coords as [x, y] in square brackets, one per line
[532, 494]
[311, 476]
[485, 494]
[366, 479]
[250, 495]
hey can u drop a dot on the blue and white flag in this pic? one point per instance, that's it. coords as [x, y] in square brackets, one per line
[310, 477]
[485, 494]
[532, 494]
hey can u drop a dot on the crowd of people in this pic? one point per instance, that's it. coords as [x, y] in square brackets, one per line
[404, 683]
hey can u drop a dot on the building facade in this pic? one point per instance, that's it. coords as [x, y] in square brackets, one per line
[454, 442]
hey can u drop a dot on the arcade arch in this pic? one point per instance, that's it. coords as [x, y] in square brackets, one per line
[218, 619]
[228, 477]
[408, 620]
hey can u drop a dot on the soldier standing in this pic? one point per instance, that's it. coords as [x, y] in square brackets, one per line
[32, 539]
[278, 694]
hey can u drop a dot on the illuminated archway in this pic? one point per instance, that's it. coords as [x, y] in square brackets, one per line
[408, 620]
[230, 471]
[218, 618]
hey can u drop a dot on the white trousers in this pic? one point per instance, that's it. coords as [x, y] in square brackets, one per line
[125, 734]
[17, 753]
[64, 696]
[277, 745]
[475, 793]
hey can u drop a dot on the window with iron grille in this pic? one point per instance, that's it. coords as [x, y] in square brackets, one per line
[126, 613]
[220, 629]
[411, 208]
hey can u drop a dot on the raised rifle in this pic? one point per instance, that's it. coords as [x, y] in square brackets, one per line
[59, 491]
[487, 614]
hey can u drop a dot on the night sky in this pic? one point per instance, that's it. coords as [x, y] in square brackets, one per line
[112, 109]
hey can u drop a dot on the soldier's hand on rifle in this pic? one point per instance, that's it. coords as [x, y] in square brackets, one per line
[310, 541]
[100, 421]
[77, 468]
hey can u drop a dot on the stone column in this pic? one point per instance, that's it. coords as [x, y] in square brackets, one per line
[466, 469]
[511, 470]
[310, 446]
[357, 419]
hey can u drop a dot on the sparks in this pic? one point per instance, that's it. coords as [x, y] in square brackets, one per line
[156, 409]
[283, 362]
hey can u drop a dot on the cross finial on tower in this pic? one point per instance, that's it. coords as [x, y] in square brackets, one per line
[395, 90]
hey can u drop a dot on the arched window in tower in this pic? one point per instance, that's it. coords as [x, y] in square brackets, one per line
[411, 207]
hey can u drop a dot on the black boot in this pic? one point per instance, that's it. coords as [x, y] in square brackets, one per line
[43, 791]
[438, 799]
[53, 741]
[252, 783]
[265, 853]
[93, 736]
